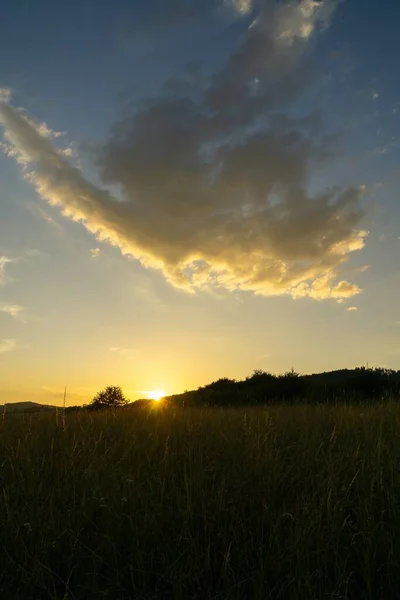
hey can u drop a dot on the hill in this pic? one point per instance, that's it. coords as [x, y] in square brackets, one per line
[26, 407]
[262, 388]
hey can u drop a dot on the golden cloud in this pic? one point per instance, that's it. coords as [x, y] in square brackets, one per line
[214, 173]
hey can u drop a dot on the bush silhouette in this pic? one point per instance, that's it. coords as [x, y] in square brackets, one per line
[261, 387]
[111, 397]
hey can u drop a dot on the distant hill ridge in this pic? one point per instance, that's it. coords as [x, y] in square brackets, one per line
[261, 387]
[26, 407]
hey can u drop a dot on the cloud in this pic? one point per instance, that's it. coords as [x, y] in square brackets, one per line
[34, 253]
[159, 16]
[14, 310]
[5, 94]
[242, 7]
[7, 345]
[214, 173]
[4, 260]
[322, 288]
[44, 130]
[68, 152]
[300, 19]
[39, 211]
[390, 146]
[364, 268]
[352, 309]
[94, 252]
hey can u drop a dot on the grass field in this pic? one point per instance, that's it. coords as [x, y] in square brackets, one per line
[288, 502]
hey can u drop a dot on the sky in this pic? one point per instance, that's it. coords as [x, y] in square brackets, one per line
[194, 190]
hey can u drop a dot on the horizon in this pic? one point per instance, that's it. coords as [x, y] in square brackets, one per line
[156, 395]
[196, 191]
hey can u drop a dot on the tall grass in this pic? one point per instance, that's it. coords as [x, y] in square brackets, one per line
[284, 503]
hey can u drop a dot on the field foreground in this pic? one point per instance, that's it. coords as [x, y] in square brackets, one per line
[289, 502]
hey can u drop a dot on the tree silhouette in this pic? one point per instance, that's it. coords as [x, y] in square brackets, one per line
[111, 397]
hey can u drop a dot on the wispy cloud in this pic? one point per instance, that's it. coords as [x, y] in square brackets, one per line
[40, 211]
[34, 253]
[4, 261]
[5, 94]
[242, 7]
[14, 310]
[8, 345]
[299, 19]
[392, 145]
[5, 278]
[214, 179]
[94, 252]
[352, 309]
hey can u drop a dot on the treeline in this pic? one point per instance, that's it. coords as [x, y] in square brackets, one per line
[360, 384]
[349, 385]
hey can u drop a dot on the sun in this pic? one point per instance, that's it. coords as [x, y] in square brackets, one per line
[156, 395]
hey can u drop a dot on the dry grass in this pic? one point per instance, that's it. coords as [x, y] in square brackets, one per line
[285, 503]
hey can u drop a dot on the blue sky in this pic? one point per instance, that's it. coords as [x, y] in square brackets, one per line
[239, 163]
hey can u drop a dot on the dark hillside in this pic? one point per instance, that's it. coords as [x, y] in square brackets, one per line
[353, 385]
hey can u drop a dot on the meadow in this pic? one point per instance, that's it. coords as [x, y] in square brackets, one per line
[284, 502]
